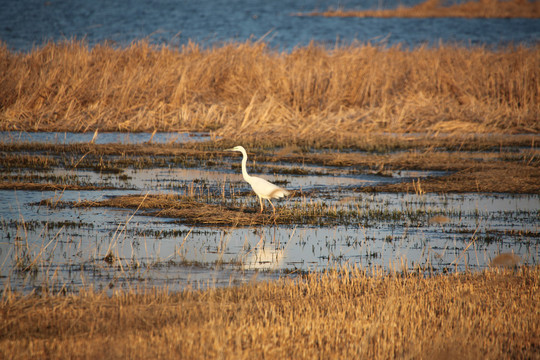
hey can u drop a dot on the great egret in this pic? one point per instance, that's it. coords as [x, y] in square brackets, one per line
[263, 188]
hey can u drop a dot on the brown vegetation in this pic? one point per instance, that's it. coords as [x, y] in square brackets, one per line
[339, 97]
[186, 208]
[491, 179]
[343, 314]
[472, 169]
[247, 91]
[439, 8]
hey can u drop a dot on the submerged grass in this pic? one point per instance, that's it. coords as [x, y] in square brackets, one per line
[339, 314]
[248, 91]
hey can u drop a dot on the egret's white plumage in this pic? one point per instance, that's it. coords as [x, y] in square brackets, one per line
[263, 188]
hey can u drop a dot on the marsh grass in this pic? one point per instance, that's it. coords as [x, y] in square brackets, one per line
[193, 208]
[342, 313]
[214, 209]
[445, 8]
[249, 91]
[43, 155]
[491, 179]
[475, 163]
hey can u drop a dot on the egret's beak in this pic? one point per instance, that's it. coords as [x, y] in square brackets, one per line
[229, 150]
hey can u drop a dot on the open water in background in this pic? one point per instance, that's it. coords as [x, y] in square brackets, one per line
[29, 23]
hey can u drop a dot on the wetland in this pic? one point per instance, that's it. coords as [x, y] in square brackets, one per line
[82, 211]
[410, 231]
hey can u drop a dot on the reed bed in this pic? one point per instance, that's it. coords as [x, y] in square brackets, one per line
[439, 8]
[249, 91]
[343, 313]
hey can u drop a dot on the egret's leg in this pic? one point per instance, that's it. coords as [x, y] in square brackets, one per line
[272, 206]
[261, 201]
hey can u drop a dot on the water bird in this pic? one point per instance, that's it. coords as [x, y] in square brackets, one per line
[263, 188]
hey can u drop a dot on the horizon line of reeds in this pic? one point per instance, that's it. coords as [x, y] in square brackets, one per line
[441, 8]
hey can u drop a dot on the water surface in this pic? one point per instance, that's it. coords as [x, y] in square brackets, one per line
[65, 247]
[30, 23]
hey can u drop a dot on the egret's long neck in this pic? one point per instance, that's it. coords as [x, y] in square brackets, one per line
[244, 170]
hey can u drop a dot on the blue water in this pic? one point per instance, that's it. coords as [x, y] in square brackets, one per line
[29, 23]
[7, 137]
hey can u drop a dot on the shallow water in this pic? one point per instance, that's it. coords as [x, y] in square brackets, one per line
[158, 252]
[30, 23]
[55, 247]
[13, 137]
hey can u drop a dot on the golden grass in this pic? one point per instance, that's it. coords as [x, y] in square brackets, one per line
[439, 8]
[248, 91]
[339, 315]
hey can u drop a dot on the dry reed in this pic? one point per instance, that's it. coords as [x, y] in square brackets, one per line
[439, 8]
[248, 91]
[340, 314]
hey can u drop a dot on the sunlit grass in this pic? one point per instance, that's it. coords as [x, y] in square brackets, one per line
[328, 97]
[344, 313]
[249, 91]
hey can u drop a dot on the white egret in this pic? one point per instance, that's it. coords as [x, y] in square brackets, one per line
[263, 188]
